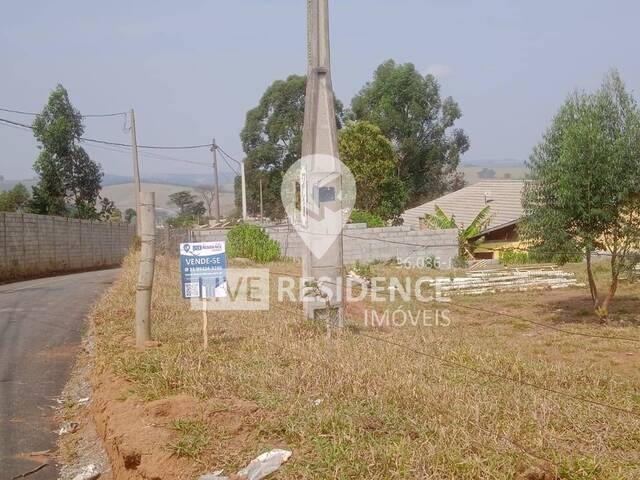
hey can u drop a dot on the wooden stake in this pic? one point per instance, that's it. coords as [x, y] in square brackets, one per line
[146, 269]
[205, 326]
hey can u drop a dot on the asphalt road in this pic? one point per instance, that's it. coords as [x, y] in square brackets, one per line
[41, 324]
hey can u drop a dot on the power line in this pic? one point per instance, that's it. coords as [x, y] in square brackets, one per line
[150, 147]
[11, 122]
[229, 165]
[229, 156]
[114, 148]
[118, 148]
[149, 155]
[118, 144]
[95, 115]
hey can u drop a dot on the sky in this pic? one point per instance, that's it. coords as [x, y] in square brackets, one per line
[193, 69]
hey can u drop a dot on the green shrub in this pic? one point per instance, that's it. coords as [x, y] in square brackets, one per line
[521, 257]
[251, 241]
[183, 221]
[515, 257]
[365, 270]
[371, 219]
[459, 261]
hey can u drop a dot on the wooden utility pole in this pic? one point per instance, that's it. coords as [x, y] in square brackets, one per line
[214, 149]
[146, 269]
[261, 204]
[136, 170]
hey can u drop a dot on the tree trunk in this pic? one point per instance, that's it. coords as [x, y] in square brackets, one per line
[603, 309]
[593, 288]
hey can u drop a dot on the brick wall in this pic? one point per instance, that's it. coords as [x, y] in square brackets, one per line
[367, 244]
[33, 245]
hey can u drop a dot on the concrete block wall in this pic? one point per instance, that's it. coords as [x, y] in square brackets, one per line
[168, 240]
[365, 245]
[32, 245]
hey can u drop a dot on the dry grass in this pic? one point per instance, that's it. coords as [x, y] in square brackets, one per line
[355, 407]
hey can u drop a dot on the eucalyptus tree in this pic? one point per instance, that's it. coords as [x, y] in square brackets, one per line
[583, 195]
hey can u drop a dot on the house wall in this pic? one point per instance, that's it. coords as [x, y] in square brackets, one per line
[497, 240]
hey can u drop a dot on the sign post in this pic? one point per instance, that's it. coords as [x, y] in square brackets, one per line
[203, 268]
[205, 324]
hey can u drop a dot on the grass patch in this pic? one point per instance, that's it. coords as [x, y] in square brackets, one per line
[193, 438]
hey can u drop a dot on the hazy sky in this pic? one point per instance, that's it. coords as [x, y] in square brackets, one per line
[192, 69]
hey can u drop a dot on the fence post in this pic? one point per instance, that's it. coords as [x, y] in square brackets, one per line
[146, 269]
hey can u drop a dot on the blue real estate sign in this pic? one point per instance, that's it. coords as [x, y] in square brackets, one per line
[204, 270]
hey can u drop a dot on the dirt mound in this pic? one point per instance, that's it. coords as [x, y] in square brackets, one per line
[138, 435]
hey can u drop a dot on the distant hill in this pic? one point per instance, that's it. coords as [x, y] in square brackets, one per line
[119, 189]
[501, 169]
[184, 179]
[124, 197]
[9, 184]
[179, 179]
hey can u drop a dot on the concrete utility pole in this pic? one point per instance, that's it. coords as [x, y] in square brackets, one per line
[320, 139]
[214, 149]
[146, 269]
[244, 192]
[136, 170]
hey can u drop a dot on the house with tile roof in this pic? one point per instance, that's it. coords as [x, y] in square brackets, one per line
[504, 197]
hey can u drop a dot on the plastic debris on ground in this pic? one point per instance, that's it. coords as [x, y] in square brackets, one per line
[90, 472]
[68, 427]
[259, 468]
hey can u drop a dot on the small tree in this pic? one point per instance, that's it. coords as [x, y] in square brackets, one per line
[69, 181]
[14, 200]
[487, 173]
[190, 209]
[373, 162]
[129, 215]
[208, 195]
[584, 193]
[439, 220]
[108, 211]
[187, 203]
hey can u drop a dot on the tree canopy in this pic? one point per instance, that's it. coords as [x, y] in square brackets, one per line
[272, 141]
[69, 181]
[409, 110]
[373, 163]
[416, 124]
[584, 193]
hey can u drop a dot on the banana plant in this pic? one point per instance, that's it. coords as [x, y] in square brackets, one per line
[439, 220]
